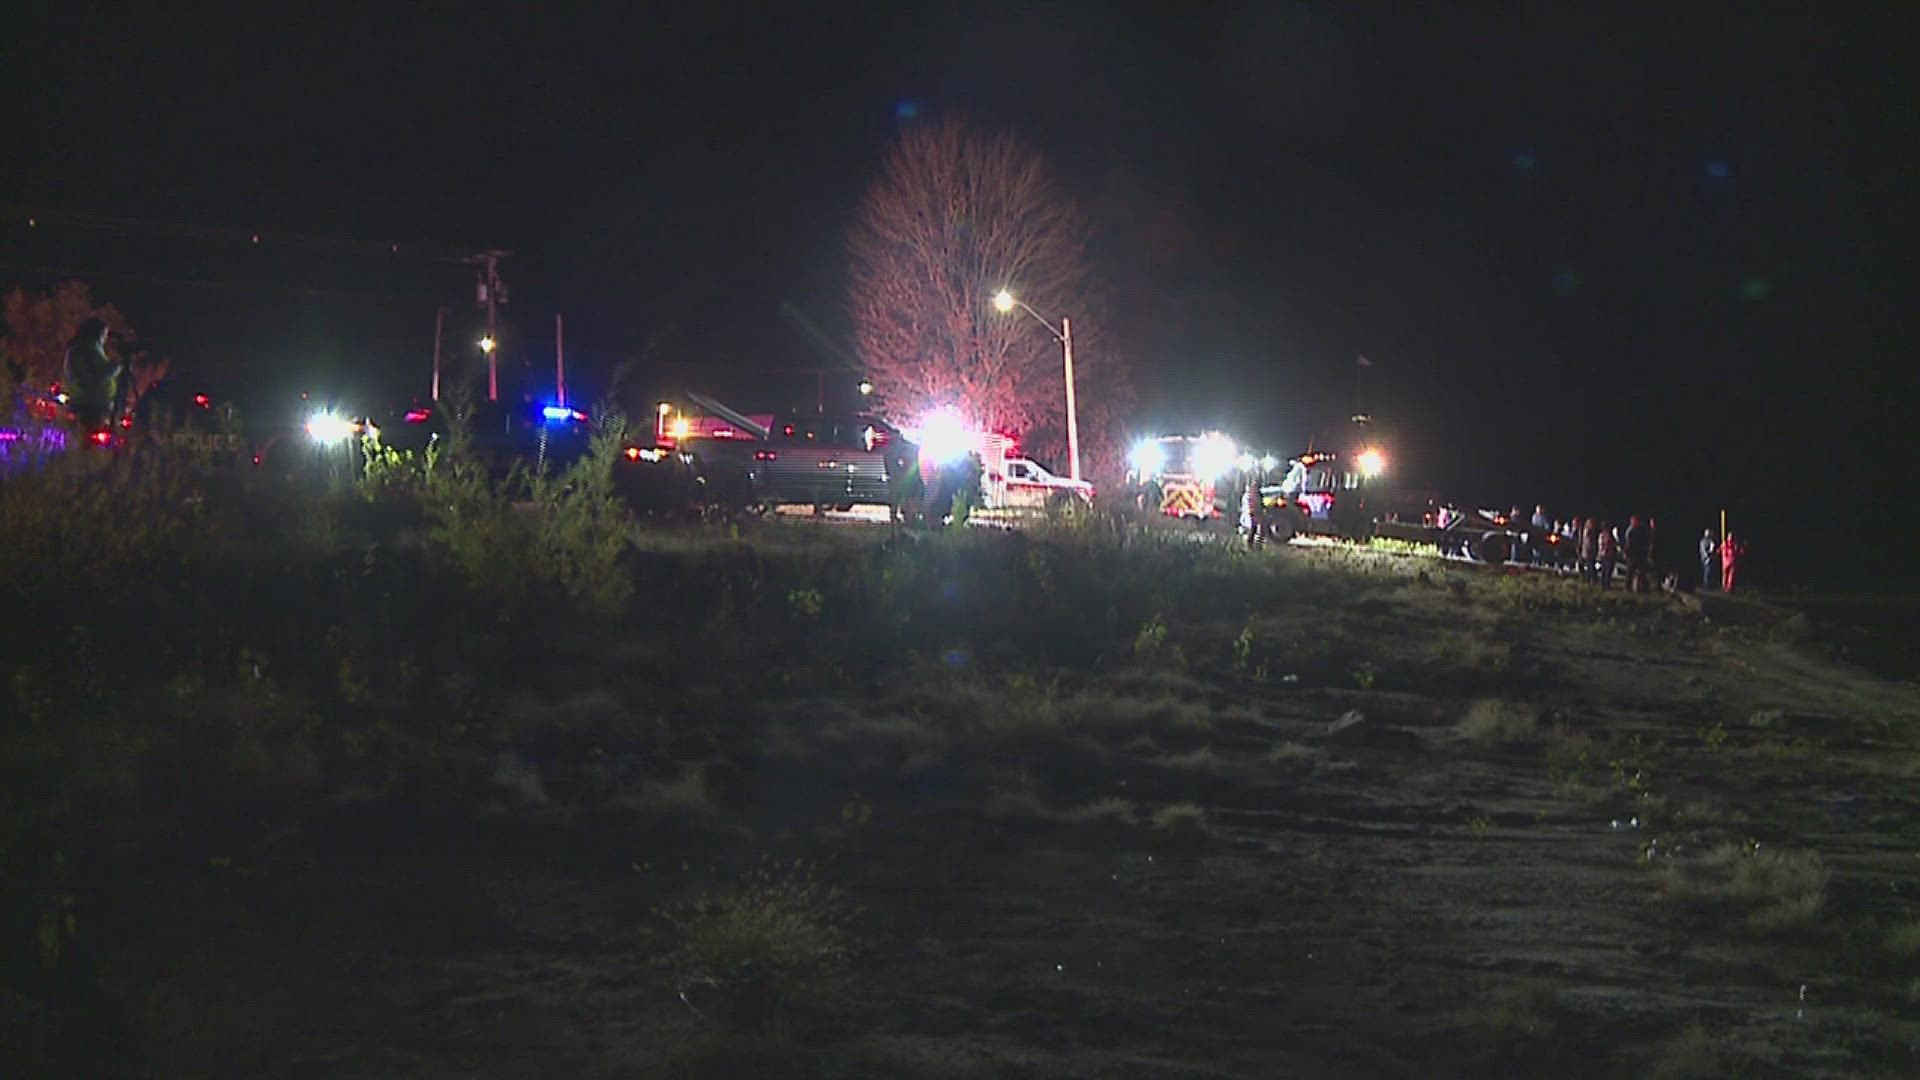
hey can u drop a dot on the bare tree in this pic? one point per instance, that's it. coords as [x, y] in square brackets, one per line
[956, 215]
[40, 326]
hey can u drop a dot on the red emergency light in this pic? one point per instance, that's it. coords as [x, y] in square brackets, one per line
[203, 401]
[418, 416]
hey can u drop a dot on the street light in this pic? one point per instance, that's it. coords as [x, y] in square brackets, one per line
[1004, 301]
[487, 344]
[865, 388]
[660, 425]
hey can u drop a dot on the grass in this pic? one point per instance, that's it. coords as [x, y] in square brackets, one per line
[1904, 940]
[1108, 811]
[1776, 891]
[1182, 822]
[1497, 722]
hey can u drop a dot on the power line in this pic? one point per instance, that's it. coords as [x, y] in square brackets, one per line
[252, 286]
[36, 217]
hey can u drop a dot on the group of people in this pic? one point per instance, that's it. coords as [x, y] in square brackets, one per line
[1598, 547]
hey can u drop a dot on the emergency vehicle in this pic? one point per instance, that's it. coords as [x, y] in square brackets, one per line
[1180, 475]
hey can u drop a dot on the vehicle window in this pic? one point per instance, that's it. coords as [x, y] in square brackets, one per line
[1017, 471]
[1320, 479]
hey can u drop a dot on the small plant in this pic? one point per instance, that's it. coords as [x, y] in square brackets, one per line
[1714, 737]
[1152, 647]
[806, 603]
[1481, 825]
[1243, 646]
[1363, 677]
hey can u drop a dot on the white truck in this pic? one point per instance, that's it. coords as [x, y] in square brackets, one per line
[1022, 484]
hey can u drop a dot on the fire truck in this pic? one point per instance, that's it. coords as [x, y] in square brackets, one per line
[1181, 475]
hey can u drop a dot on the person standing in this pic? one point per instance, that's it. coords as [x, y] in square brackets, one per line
[1606, 553]
[1731, 552]
[93, 378]
[1639, 547]
[1709, 554]
[1589, 551]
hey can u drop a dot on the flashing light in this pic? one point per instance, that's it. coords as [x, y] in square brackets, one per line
[418, 416]
[766, 455]
[561, 414]
[487, 344]
[1147, 457]
[1246, 462]
[101, 438]
[1372, 462]
[666, 407]
[126, 422]
[680, 428]
[943, 437]
[327, 428]
[1269, 463]
[632, 453]
[1214, 455]
[203, 401]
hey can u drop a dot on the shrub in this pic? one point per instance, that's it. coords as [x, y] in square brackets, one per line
[1904, 940]
[1108, 811]
[752, 953]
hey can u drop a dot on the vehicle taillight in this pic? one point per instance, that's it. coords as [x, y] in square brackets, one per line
[418, 416]
[633, 453]
[203, 401]
[101, 438]
[766, 455]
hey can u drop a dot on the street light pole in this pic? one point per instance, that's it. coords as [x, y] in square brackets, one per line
[1073, 418]
[1005, 301]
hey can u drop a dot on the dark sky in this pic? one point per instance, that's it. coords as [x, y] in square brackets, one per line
[1653, 259]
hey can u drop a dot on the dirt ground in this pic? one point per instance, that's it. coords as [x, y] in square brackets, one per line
[1458, 824]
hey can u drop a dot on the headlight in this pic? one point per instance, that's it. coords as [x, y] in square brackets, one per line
[1214, 455]
[943, 438]
[328, 428]
[1148, 457]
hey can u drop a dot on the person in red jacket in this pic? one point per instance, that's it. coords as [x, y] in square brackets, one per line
[1731, 551]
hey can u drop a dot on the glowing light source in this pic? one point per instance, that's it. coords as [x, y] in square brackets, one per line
[1372, 462]
[560, 414]
[1003, 301]
[327, 428]
[680, 428]
[865, 388]
[1214, 455]
[943, 436]
[203, 401]
[418, 416]
[1147, 457]
[1246, 462]
[487, 344]
[1269, 463]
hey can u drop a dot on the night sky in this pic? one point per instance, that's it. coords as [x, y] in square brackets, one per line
[1611, 262]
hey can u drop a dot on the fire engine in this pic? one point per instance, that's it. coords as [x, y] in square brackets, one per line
[1180, 475]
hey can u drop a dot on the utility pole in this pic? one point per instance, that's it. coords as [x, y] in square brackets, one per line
[439, 325]
[492, 294]
[559, 361]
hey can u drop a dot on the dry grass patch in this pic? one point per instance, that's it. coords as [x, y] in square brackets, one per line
[1103, 812]
[1201, 760]
[1904, 940]
[1182, 821]
[1778, 890]
[1496, 722]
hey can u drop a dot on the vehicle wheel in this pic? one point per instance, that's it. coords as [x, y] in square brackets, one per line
[1494, 548]
[819, 509]
[841, 508]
